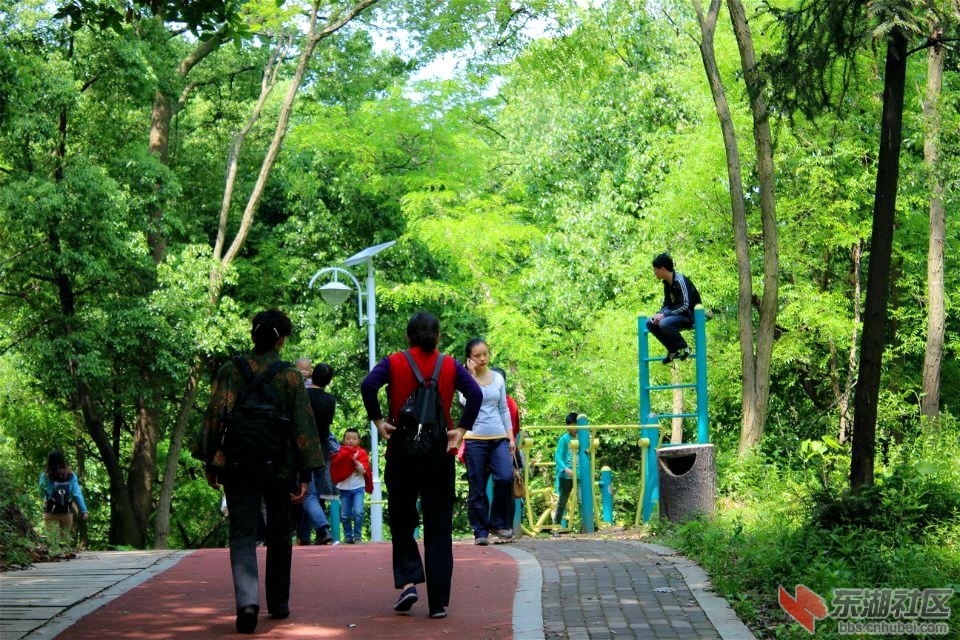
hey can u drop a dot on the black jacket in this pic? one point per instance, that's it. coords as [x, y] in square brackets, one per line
[680, 297]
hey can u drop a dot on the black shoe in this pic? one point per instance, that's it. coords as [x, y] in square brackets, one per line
[324, 538]
[280, 614]
[247, 618]
[406, 600]
[679, 354]
[438, 613]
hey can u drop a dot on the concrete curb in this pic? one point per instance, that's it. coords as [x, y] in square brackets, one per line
[527, 603]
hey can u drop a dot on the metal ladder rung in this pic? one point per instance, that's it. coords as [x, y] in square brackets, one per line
[692, 385]
[692, 356]
[659, 416]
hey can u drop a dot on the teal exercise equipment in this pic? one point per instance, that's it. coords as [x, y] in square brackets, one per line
[650, 420]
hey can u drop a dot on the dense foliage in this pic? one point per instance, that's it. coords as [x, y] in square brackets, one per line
[901, 533]
[527, 192]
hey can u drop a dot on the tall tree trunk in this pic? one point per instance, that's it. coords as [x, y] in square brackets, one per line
[123, 523]
[755, 366]
[750, 436]
[80, 468]
[161, 523]
[268, 81]
[936, 312]
[676, 431]
[276, 143]
[143, 463]
[878, 278]
[856, 252]
[708, 23]
[160, 118]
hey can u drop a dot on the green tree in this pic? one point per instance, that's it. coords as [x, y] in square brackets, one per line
[756, 355]
[936, 316]
[820, 42]
[107, 215]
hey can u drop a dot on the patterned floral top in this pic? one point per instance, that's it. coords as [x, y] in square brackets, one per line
[304, 458]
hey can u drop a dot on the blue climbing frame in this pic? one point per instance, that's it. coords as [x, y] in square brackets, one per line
[650, 421]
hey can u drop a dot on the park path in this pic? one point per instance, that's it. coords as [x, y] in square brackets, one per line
[572, 588]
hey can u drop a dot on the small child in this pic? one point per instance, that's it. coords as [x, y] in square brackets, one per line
[564, 468]
[350, 470]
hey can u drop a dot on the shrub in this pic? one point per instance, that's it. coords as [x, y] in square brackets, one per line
[776, 526]
[19, 542]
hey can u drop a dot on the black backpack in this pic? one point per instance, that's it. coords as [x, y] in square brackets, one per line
[256, 431]
[59, 500]
[421, 425]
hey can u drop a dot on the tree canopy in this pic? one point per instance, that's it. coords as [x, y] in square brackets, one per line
[527, 193]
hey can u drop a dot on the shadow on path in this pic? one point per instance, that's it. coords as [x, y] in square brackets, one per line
[338, 592]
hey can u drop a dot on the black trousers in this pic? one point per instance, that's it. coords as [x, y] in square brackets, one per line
[668, 332]
[566, 487]
[245, 492]
[433, 483]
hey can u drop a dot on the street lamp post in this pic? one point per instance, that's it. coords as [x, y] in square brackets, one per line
[336, 292]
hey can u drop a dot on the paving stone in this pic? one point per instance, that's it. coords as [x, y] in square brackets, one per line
[589, 589]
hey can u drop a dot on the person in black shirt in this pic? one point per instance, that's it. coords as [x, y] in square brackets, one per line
[320, 489]
[680, 297]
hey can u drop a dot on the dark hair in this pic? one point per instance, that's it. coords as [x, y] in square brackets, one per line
[503, 374]
[471, 343]
[572, 417]
[663, 260]
[268, 327]
[351, 429]
[423, 330]
[57, 467]
[322, 374]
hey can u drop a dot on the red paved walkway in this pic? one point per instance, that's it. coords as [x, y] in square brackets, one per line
[337, 592]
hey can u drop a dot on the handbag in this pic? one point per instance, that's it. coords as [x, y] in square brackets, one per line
[519, 489]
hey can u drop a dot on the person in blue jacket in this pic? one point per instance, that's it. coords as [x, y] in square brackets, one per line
[60, 489]
[564, 468]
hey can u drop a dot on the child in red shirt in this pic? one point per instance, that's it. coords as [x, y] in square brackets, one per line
[350, 471]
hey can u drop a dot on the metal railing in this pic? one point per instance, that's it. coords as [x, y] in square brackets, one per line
[590, 504]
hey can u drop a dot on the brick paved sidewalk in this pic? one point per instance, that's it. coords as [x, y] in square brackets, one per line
[576, 588]
[622, 589]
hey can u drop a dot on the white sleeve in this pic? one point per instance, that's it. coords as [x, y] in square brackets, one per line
[502, 405]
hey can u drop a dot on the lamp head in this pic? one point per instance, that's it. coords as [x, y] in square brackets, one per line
[334, 292]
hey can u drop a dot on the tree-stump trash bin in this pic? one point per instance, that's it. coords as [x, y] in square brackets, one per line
[688, 481]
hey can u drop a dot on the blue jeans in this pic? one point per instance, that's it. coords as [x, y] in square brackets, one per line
[351, 513]
[244, 492]
[668, 332]
[313, 516]
[485, 458]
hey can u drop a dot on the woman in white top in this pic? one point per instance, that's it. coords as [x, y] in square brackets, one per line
[489, 451]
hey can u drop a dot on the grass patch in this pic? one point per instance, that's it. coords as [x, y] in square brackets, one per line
[776, 526]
